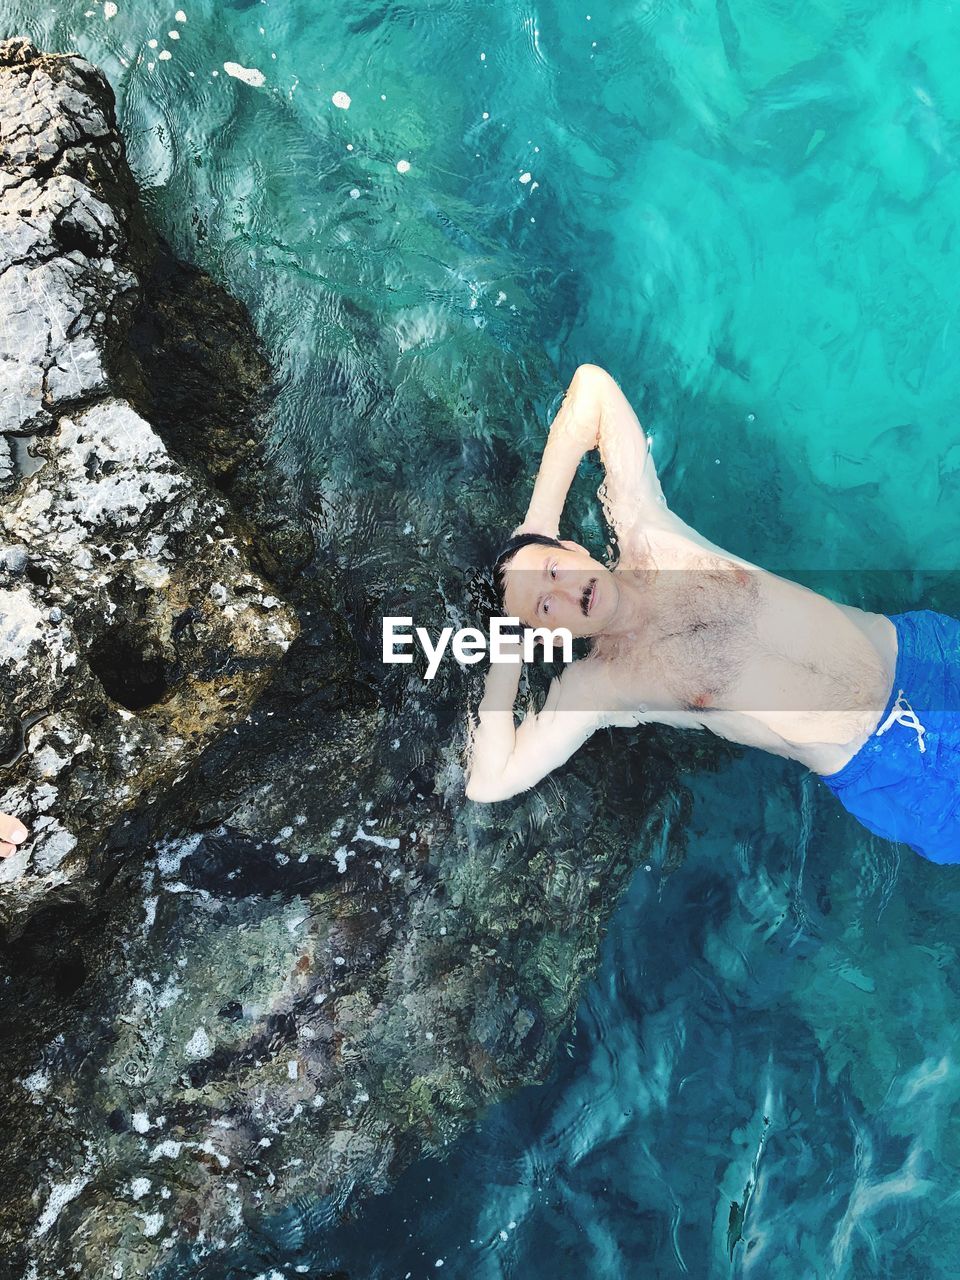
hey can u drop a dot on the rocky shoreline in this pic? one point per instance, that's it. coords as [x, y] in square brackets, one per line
[251, 961]
[134, 626]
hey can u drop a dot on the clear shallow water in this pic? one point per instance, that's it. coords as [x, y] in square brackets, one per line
[747, 211]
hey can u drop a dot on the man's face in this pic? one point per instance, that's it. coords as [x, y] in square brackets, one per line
[560, 587]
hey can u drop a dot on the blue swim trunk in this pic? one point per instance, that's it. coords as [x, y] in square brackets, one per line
[904, 782]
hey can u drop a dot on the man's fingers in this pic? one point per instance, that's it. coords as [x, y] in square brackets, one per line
[12, 831]
[7, 849]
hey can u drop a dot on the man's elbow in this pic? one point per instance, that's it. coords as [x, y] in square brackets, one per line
[489, 790]
[587, 371]
[481, 791]
[598, 378]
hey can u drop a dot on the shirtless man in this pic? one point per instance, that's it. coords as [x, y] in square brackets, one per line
[12, 833]
[684, 633]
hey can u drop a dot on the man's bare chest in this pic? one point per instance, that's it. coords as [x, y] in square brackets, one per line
[721, 635]
[698, 629]
[702, 631]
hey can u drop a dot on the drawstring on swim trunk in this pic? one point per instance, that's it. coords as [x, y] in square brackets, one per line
[903, 713]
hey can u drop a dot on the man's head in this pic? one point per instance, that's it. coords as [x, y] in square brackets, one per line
[552, 582]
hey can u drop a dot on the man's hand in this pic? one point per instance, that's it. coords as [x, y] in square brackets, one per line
[12, 833]
[506, 759]
[579, 415]
[597, 415]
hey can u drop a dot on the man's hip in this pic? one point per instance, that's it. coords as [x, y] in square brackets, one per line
[904, 782]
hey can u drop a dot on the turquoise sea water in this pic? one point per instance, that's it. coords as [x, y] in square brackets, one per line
[746, 210]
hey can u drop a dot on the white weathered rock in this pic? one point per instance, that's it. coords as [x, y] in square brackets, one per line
[130, 633]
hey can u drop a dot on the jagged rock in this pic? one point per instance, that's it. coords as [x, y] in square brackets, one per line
[133, 627]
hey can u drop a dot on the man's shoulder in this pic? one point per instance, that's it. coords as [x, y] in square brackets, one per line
[658, 538]
[674, 543]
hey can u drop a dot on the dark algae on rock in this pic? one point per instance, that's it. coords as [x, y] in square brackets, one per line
[259, 952]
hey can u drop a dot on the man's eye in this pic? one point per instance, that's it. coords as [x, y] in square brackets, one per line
[553, 571]
[546, 606]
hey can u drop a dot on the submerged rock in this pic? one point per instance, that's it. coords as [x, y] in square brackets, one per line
[310, 961]
[133, 626]
[319, 977]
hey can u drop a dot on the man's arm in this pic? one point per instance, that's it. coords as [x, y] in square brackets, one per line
[630, 492]
[506, 760]
[12, 833]
[595, 414]
[573, 432]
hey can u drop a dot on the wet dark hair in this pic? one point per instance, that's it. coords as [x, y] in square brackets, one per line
[510, 549]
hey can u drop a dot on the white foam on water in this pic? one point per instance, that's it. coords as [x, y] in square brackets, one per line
[168, 1147]
[222, 1160]
[403, 166]
[385, 842]
[109, 10]
[341, 100]
[61, 1194]
[170, 853]
[37, 1082]
[199, 1046]
[249, 75]
[180, 16]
